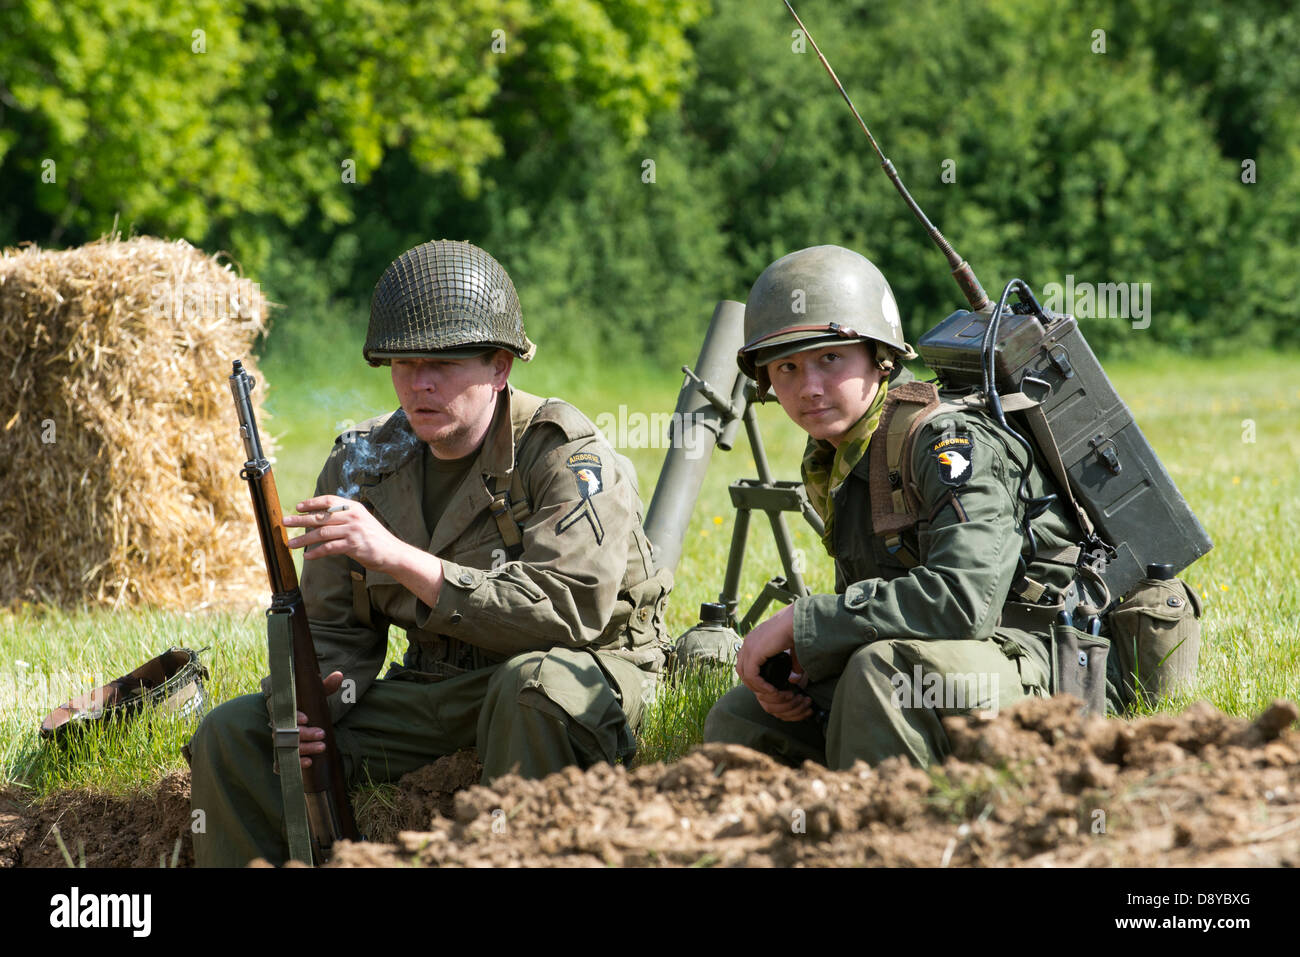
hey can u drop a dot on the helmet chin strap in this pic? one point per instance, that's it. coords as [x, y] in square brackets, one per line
[882, 355]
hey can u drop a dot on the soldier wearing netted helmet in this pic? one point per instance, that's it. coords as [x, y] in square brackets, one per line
[497, 529]
[932, 613]
[445, 300]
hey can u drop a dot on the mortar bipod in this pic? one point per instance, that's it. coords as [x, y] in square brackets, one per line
[775, 498]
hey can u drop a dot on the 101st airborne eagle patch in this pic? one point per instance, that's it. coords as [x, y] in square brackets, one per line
[954, 453]
[586, 469]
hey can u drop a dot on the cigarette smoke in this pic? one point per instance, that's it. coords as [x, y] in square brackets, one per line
[369, 457]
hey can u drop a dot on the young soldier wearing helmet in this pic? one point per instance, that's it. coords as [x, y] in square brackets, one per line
[498, 529]
[923, 519]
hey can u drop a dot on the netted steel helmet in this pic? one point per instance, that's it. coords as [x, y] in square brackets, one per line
[813, 298]
[444, 300]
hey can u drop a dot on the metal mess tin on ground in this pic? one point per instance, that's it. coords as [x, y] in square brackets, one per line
[1113, 471]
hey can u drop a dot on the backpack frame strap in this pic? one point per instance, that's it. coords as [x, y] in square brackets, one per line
[894, 505]
[360, 596]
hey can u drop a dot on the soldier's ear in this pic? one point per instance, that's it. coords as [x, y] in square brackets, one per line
[502, 363]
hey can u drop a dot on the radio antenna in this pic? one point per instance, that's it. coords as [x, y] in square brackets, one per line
[961, 271]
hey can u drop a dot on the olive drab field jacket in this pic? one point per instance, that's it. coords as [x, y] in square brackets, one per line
[949, 575]
[578, 573]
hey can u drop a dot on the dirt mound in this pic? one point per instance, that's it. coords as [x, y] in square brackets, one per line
[418, 797]
[107, 831]
[1038, 784]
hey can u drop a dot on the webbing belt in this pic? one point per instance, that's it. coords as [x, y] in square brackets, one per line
[284, 725]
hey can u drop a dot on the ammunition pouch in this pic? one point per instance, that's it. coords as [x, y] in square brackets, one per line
[1077, 659]
[1078, 662]
[641, 639]
[1156, 631]
[1027, 617]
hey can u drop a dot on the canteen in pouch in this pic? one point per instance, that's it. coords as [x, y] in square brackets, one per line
[1156, 634]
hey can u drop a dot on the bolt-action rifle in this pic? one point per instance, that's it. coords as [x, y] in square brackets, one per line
[317, 810]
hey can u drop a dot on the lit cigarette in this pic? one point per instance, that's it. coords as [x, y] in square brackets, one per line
[336, 508]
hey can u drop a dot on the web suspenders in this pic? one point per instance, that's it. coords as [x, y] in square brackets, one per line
[504, 508]
[894, 504]
[509, 503]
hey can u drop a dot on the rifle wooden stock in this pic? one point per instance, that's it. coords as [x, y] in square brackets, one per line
[328, 807]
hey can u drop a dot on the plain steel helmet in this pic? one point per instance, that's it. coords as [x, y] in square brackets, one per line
[444, 300]
[812, 298]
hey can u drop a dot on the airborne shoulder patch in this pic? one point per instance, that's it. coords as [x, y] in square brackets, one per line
[585, 467]
[954, 454]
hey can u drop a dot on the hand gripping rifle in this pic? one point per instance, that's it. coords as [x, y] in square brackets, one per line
[317, 811]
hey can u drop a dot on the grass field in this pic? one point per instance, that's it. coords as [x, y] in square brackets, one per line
[1228, 433]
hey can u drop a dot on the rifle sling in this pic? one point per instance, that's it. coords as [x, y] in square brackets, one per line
[284, 725]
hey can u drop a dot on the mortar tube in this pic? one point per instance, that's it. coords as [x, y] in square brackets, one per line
[697, 425]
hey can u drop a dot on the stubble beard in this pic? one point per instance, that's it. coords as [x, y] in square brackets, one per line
[451, 441]
[448, 440]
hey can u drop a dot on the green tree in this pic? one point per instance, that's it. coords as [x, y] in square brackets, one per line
[527, 126]
[1065, 161]
[214, 120]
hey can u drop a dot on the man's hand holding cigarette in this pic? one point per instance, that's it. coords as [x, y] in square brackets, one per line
[338, 526]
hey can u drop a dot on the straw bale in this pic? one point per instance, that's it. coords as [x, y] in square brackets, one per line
[119, 447]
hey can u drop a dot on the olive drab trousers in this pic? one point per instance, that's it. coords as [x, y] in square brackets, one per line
[533, 714]
[881, 705]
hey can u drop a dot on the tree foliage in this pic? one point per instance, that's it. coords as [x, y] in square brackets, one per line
[216, 118]
[633, 161]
